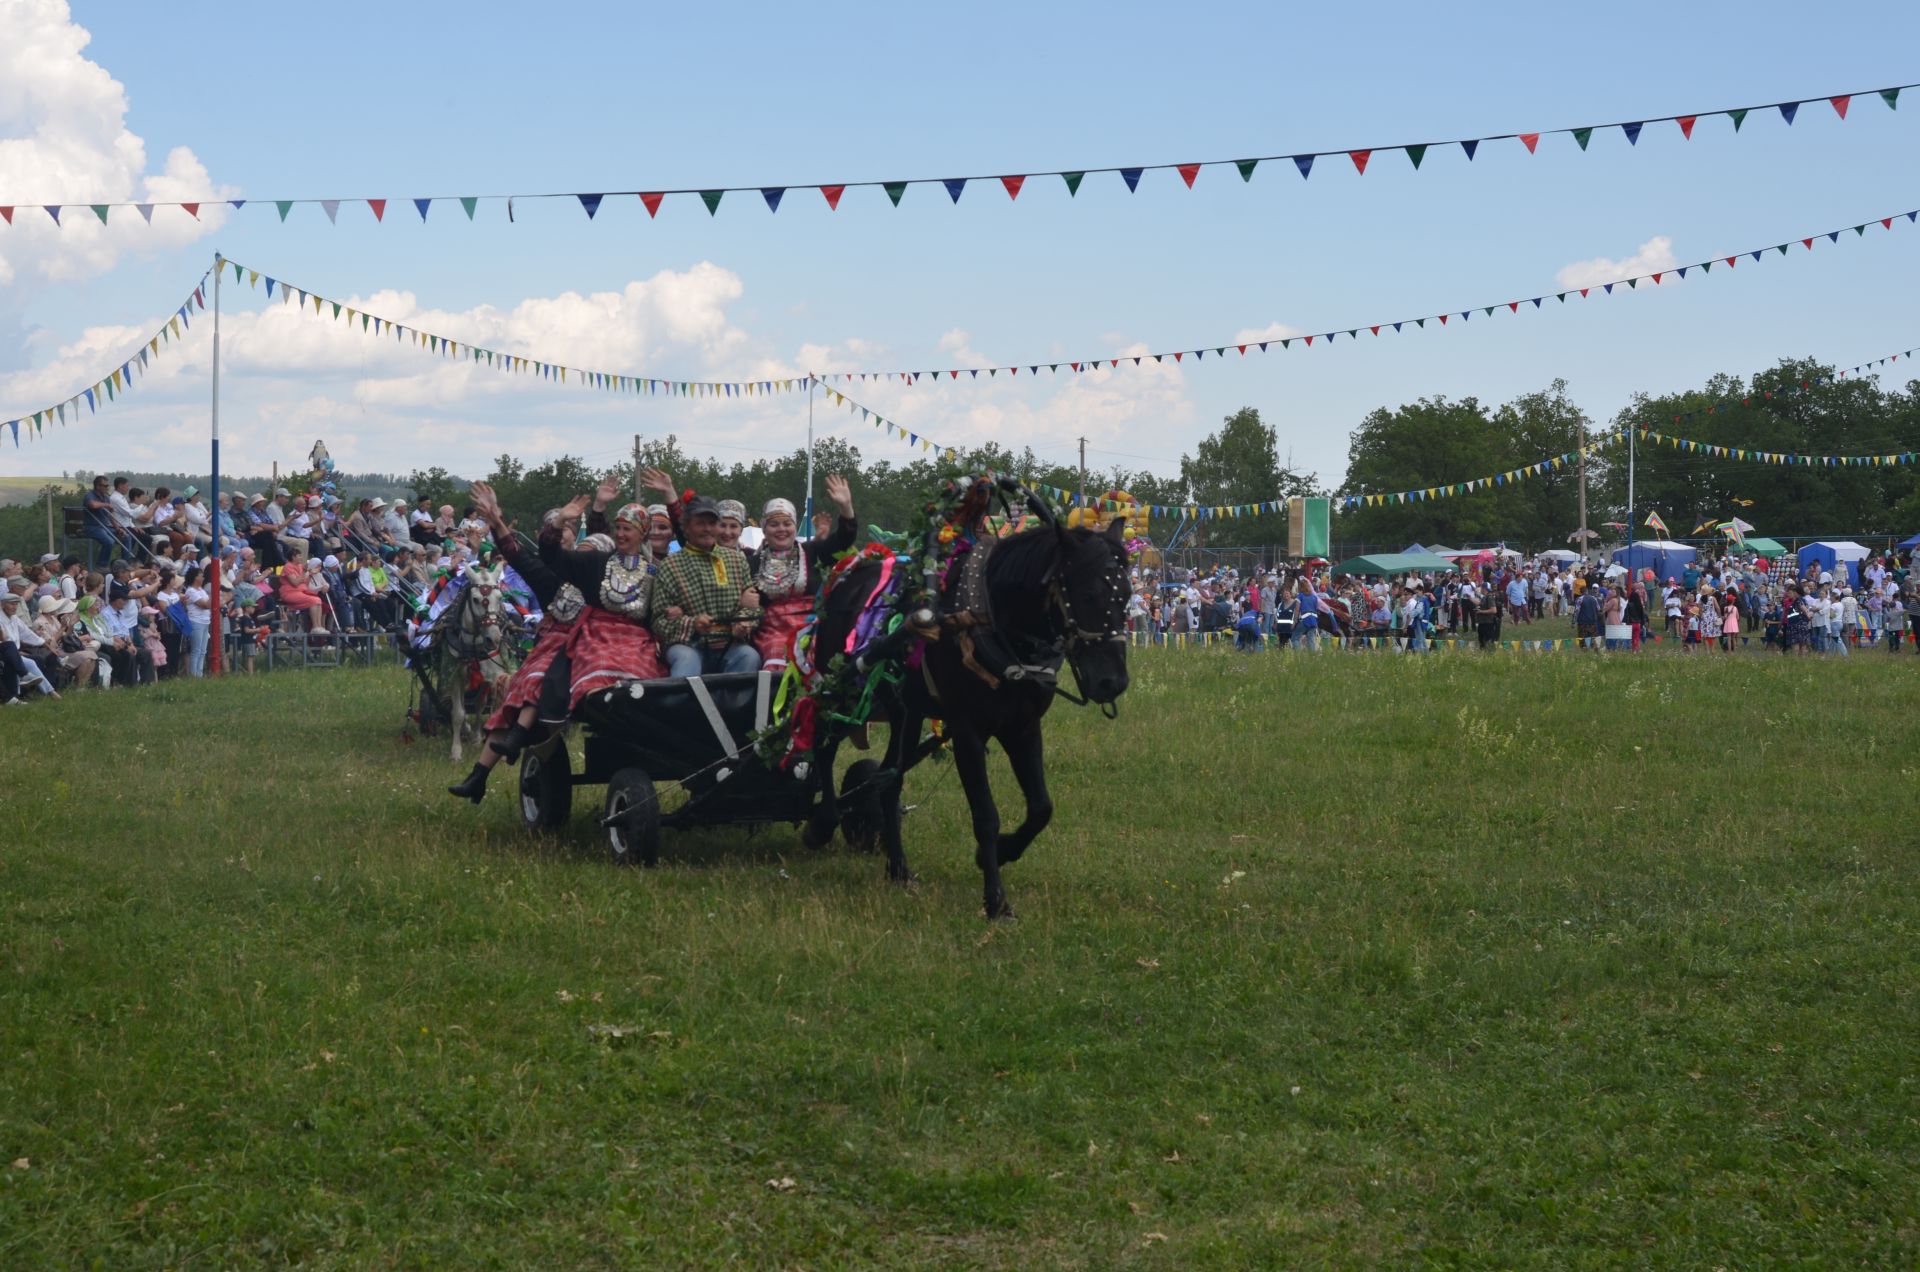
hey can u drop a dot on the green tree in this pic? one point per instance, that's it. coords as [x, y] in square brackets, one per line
[437, 484]
[1240, 464]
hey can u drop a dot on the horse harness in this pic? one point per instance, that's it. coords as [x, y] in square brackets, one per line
[995, 655]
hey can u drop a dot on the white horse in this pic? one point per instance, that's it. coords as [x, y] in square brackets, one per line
[474, 647]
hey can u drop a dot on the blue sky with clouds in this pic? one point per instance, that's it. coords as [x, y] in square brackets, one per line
[397, 101]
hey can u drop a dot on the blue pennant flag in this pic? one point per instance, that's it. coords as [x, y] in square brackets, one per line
[954, 186]
[237, 204]
[772, 195]
[1132, 177]
[269, 283]
[591, 202]
[1633, 133]
[1470, 147]
[1788, 110]
[423, 205]
[1305, 164]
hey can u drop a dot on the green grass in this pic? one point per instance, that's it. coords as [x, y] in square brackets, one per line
[1517, 960]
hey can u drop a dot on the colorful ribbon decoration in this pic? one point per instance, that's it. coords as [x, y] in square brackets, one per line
[119, 381]
[1081, 366]
[1012, 183]
[446, 346]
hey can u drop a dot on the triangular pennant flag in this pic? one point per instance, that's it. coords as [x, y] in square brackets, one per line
[1839, 104]
[468, 202]
[653, 204]
[1416, 153]
[1633, 133]
[1530, 140]
[712, 199]
[1360, 158]
[1470, 147]
[1247, 166]
[894, 190]
[1132, 177]
[379, 207]
[285, 206]
[332, 208]
[590, 203]
[100, 210]
[773, 195]
[6, 214]
[192, 210]
[422, 205]
[1305, 164]
[269, 283]
[1013, 185]
[1073, 182]
[1686, 125]
[52, 210]
[1788, 110]
[832, 194]
[954, 187]
[1583, 136]
[1892, 98]
[1188, 171]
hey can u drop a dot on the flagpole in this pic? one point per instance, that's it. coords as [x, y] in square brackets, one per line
[1630, 457]
[213, 482]
[807, 521]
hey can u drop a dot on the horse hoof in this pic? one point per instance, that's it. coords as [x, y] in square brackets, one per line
[902, 878]
[1003, 911]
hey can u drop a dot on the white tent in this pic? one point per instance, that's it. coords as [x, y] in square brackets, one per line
[1559, 554]
[1846, 550]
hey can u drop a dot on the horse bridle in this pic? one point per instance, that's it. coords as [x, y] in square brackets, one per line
[1077, 637]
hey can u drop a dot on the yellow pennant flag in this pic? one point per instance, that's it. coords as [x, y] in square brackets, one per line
[253, 278]
[316, 304]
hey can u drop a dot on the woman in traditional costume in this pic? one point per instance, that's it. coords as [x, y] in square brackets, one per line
[530, 697]
[788, 574]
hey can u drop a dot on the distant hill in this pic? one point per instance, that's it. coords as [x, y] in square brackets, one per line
[20, 490]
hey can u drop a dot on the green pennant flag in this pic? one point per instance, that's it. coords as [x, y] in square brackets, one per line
[1738, 117]
[1417, 153]
[1892, 96]
[1562, 298]
[1583, 136]
[363, 322]
[712, 199]
[1706, 267]
[285, 206]
[100, 210]
[1782, 249]
[336, 310]
[1247, 166]
[1420, 322]
[1489, 311]
[236, 272]
[1632, 283]
[468, 203]
[1072, 179]
[897, 188]
[1861, 230]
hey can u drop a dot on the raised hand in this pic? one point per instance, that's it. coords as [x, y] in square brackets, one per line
[840, 493]
[657, 479]
[485, 502]
[607, 491]
[576, 506]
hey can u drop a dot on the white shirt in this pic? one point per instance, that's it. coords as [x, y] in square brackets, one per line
[162, 513]
[198, 518]
[197, 599]
[15, 628]
[420, 518]
[122, 510]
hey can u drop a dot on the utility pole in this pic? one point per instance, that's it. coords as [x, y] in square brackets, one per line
[1583, 489]
[49, 492]
[1083, 472]
[636, 470]
[214, 635]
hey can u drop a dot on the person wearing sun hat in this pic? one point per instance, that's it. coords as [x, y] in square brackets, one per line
[263, 532]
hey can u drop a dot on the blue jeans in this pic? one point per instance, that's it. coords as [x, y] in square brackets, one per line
[685, 660]
[110, 545]
[1837, 639]
[197, 649]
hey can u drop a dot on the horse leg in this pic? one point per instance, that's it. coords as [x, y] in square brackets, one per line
[1027, 754]
[825, 818]
[903, 735]
[970, 760]
[457, 712]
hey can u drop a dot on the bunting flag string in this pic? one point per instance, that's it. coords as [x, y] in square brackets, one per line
[119, 381]
[1358, 157]
[317, 305]
[1080, 366]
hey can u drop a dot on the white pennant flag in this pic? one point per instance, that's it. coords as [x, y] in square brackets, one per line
[332, 208]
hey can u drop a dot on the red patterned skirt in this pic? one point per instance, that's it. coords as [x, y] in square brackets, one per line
[779, 623]
[607, 650]
[524, 689]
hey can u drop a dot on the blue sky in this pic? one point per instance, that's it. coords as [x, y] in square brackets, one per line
[397, 101]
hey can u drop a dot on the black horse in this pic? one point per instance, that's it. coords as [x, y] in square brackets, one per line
[1052, 594]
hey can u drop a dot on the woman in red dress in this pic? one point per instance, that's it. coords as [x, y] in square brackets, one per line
[296, 593]
[787, 573]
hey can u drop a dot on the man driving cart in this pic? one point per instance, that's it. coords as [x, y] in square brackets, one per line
[705, 610]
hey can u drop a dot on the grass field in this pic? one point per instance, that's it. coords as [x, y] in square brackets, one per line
[1521, 960]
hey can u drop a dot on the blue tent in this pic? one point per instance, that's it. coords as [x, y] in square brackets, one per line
[1832, 556]
[1664, 557]
[1911, 543]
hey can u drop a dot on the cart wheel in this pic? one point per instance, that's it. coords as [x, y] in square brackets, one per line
[633, 818]
[546, 788]
[860, 813]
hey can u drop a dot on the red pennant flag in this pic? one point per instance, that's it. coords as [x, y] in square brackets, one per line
[1529, 140]
[833, 194]
[1013, 185]
[193, 210]
[653, 204]
[1188, 171]
[6, 214]
[1443, 320]
[1840, 104]
[1513, 306]
[1808, 243]
[1178, 356]
[1360, 158]
[1243, 350]
[1074, 365]
[1729, 262]
[953, 375]
[1584, 291]
[1376, 331]
[1686, 125]
[379, 207]
[1656, 280]
[1886, 222]
[1309, 342]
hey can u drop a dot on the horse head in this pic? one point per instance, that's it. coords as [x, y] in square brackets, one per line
[482, 609]
[1091, 594]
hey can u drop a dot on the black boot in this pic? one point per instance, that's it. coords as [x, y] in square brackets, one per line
[509, 747]
[475, 785]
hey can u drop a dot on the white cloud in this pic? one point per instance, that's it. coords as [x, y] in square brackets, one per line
[1655, 256]
[63, 135]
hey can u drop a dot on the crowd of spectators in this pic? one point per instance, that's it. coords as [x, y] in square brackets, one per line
[138, 605]
[1734, 602]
